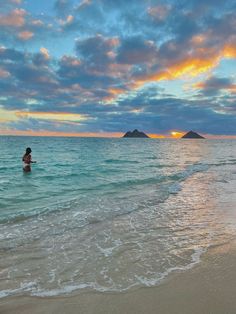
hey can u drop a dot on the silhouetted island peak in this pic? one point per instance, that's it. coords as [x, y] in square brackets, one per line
[136, 133]
[192, 134]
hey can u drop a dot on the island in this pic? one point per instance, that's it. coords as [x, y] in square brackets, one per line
[136, 133]
[192, 134]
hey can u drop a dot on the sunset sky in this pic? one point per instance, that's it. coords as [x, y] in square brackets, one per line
[103, 67]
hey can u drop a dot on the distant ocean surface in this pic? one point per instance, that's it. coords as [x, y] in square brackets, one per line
[110, 214]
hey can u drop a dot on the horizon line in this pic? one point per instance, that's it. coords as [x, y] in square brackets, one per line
[170, 135]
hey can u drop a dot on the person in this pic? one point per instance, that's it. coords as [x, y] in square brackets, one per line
[27, 160]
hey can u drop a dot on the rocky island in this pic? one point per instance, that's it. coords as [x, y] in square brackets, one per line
[136, 133]
[192, 134]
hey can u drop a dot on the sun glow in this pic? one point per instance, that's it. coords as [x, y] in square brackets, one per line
[176, 134]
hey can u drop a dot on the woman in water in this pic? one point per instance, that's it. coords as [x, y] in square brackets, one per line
[27, 160]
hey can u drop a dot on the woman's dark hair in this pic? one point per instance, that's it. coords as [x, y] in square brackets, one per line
[28, 150]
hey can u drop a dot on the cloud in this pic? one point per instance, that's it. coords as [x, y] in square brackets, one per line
[97, 50]
[15, 18]
[19, 25]
[25, 35]
[70, 24]
[189, 66]
[45, 53]
[7, 54]
[214, 85]
[136, 50]
[159, 12]
[52, 116]
[69, 20]
[7, 116]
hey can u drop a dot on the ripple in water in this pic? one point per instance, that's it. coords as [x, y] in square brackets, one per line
[115, 219]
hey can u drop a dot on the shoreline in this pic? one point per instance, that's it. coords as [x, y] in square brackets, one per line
[206, 288]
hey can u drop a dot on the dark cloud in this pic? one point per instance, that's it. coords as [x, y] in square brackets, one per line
[71, 71]
[213, 85]
[96, 50]
[8, 54]
[40, 60]
[136, 50]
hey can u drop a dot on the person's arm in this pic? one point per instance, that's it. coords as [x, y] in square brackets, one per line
[31, 161]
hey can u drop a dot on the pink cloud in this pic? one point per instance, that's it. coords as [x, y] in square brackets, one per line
[25, 35]
[15, 18]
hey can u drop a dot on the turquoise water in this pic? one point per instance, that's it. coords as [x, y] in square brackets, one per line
[109, 214]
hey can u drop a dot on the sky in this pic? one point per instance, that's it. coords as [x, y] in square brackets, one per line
[103, 67]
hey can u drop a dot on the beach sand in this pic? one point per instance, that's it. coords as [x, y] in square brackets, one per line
[208, 288]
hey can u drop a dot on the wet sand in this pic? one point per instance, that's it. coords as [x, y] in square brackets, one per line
[208, 288]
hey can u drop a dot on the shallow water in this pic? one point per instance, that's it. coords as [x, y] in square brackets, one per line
[110, 214]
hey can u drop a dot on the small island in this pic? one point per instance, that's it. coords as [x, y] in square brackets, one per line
[136, 133]
[192, 134]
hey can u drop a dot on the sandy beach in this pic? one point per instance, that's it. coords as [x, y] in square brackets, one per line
[208, 288]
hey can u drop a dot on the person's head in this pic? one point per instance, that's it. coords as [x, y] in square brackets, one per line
[28, 150]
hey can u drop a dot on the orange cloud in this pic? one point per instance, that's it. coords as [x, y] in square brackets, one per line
[204, 61]
[232, 88]
[116, 90]
[15, 18]
[62, 134]
[45, 53]
[63, 117]
[55, 116]
[229, 51]
[25, 35]
[190, 66]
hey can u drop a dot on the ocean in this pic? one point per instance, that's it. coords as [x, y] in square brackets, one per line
[110, 215]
